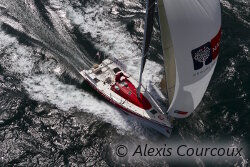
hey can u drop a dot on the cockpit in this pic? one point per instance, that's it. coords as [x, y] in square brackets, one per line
[124, 83]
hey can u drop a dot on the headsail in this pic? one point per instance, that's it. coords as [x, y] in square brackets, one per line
[191, 33]
[148, 29]
[168, 52]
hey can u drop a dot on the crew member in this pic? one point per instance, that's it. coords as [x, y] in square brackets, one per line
[118, 77]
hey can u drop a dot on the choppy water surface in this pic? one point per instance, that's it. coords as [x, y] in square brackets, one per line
[49, 117]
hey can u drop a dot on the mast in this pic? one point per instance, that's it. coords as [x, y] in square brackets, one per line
[148, 29]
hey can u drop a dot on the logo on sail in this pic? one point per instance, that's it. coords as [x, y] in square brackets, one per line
[202, 56]
[206, 53]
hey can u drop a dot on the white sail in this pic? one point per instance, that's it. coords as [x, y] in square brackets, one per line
[191, 32]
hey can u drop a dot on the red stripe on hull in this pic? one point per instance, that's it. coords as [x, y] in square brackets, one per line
[123, 108]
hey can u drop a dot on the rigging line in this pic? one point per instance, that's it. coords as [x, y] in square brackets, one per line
[143, 59]
[128, 58]
[151, 6]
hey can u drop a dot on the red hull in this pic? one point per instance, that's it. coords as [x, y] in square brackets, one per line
[123, 108]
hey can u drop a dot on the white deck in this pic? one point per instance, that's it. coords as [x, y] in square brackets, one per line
[102, 77]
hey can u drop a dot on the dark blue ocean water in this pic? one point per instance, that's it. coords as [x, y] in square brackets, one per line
[49, 117]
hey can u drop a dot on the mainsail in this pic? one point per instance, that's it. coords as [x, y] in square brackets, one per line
[148, 29]
[190, 32]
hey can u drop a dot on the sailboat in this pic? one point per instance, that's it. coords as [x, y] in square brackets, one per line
[190, 36]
